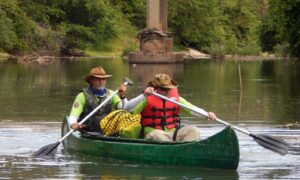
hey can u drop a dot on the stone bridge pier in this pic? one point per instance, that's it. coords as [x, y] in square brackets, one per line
[155, 44]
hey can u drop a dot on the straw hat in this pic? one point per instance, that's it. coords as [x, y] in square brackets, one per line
[98, 72]
[163, 81]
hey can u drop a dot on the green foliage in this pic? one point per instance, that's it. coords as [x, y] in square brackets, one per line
[282, 49]
[218, 27]
[281, 28]
[195, 22]
[7, 35]
[78, 36]
[240, 27]
[84, 22]
[44, 12]
[17, 31]
[134, 10]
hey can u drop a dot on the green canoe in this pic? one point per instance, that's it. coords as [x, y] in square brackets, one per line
[218, 151]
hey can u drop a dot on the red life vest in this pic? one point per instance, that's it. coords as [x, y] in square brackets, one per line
[159, 113]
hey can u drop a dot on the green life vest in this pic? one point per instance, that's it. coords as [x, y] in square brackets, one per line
[91, 102]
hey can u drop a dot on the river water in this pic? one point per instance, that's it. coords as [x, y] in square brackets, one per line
[261, 96]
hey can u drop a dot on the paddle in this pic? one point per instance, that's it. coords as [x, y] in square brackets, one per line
[50, 150]
[266, 141]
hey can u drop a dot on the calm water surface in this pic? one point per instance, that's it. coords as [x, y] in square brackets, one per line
[35, 97]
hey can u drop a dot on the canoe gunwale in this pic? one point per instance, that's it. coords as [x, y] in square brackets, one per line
[220, 150]
[127, 140]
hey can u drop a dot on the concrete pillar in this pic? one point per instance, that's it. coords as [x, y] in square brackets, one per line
[157, 15]
[154, 47]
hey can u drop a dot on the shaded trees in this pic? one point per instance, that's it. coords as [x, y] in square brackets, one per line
[218, 27]
[84, 23]
[17, 32]
[281, 27]
[134, 10]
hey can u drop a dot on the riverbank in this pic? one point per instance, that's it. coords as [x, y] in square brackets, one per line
[262, 57]
[45, 56]
[5, 56]
[189, 55]
[192, 54]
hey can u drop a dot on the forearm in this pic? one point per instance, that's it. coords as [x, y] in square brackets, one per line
[197, 114]
[130, 105]
[72, 120]
[189, 112]
[121, 103]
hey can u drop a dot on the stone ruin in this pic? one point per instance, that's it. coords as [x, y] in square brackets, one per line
[155, 44]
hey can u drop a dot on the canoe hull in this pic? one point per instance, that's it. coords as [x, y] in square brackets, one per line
[218, 151]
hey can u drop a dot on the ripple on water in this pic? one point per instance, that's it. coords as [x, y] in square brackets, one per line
[21, 140]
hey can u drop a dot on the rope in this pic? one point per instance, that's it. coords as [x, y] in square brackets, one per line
[117, 121]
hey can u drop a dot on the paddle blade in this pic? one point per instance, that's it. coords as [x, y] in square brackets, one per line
[47, 151]
[128, 81]
[271, 143]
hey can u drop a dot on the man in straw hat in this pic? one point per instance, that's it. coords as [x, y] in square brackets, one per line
[160, 118]
[89, 98]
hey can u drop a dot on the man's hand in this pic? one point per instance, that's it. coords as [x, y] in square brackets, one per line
[211, 116]
[148, 91]
[75, 126]
[122, 90]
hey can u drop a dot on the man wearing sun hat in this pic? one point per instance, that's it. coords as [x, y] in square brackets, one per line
[89, 98]
[160, 119]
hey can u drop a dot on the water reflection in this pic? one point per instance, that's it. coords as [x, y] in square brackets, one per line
[143, 73]
[112, 169]
[85, 167]
[256, 162]
[45, 92]
[35, 97]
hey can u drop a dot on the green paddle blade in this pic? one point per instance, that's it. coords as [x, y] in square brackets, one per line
[47, 151]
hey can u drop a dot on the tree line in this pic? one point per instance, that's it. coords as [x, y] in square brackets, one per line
[242, 27]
